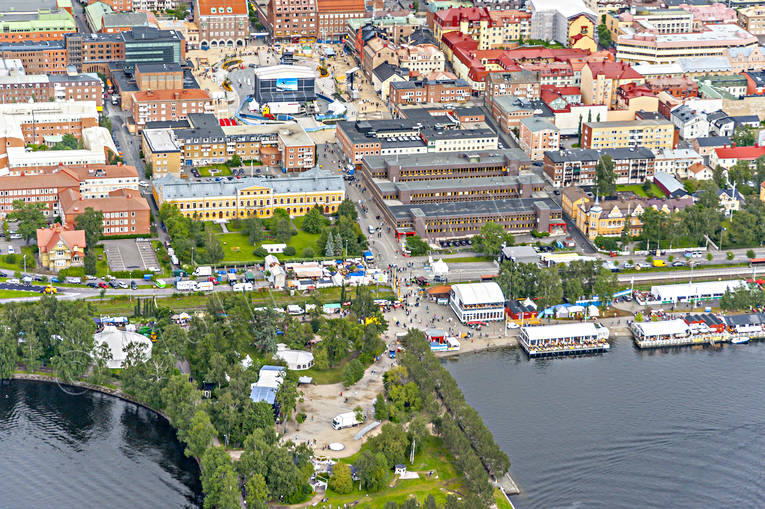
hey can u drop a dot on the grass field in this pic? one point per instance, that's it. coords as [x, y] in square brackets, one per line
[468, 259]
[18, 265]
[432, 457]
[214, 170]
[328, 376]
[236, 246]
[13, 294]
[655, 192]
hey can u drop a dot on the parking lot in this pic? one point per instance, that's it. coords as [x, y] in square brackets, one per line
[130, 254]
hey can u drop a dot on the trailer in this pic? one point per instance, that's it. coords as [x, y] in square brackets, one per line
[205, 286]
[346, 420]
[186, 286]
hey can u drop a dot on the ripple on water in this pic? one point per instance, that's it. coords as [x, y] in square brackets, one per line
[675, 428]
[89, 450]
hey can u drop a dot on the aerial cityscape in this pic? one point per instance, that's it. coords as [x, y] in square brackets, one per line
[385, 254]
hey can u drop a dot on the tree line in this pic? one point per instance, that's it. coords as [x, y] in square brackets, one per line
[462, 429]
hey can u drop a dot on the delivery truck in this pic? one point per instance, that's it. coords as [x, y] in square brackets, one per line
[186, 286]
[205, 286]
[203, 271]
[346, 420]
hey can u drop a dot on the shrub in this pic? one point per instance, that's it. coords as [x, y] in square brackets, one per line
[729, 255]
[750, 253]
[260, 252]
[308, 253]
[710, 257]
[10, 258]
[289, 251]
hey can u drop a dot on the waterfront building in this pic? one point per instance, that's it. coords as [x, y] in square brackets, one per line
[477, 302]
[661, 333]
[564, 339]
[694, 292]
[252, 196]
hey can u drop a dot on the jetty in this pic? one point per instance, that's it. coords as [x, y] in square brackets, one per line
[564, 339]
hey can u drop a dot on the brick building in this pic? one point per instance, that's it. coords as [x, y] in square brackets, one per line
[46, 57]
[536, 136]
[169, 105]
[222, 22]
[333, 16]
[42, 25]
[292, 18]
[125, 211]
[429, 91]
[116, 5]
[40, 87]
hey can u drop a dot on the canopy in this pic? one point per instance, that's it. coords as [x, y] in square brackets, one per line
[593, 310]
[118, 340]
[439, 268]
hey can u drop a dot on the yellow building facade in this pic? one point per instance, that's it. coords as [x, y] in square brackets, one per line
[252, 196]
[580, 34]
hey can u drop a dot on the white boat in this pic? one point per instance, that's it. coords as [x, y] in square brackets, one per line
[739, 340]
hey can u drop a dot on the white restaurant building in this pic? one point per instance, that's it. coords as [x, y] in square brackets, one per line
[477, 302]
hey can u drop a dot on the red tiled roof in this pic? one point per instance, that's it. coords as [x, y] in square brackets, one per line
[749, 153]
[237, 7]
[47, 238]
[452, 17]
[614, 70]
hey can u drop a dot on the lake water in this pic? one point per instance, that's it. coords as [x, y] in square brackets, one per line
[680, 428]
[88, 450]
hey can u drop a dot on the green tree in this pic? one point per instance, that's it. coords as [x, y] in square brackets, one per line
[9, 354]
[381, 408]
[234, 162]
[329, 246]
[372, 469]
[253, 228]
[417, 246]
[68, 142]
[353, 372]
[91, 221]
[213, 248]
[257, 492]
[605, 176]
[308, 252]
[314, 222]
[744, 136]
[341, 481]
[604, 36]
[281, 229]
[180, 399]
[550, 290]
[489, 242]
[30, 217]
[348, 209]
[605, 284]
[199, 435]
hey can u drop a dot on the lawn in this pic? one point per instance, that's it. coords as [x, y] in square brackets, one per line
[501, 500]
[236, 246]
[329, 376]
[468, 259]
[13, 294]
[214, 170]
[18, 264]
[655, 192]
[433, 456]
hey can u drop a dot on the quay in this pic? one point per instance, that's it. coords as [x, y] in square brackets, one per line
[564, 339]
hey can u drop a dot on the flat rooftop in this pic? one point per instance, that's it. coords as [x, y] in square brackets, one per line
[508, 181]
[160, 140]
[447, 159]
[471, 208]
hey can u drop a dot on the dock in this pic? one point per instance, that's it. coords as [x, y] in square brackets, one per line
[673, 333]
[584, 338]
[572, 349]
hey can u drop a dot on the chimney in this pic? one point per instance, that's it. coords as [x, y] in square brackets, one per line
[176, 95]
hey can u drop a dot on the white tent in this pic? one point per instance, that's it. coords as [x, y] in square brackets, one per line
[561, 312]
[593, 310]
[575, 309]
[117, 340]
[439, 268]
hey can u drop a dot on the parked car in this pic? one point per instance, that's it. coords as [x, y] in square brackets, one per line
[113, 284]
[133, 285]
[122, 284]
[628, 265]
[103, 285]
[92, 284]
[678, 264]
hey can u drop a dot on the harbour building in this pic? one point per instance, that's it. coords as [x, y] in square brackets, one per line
[477, 302]
[252, 196]
[564, 339]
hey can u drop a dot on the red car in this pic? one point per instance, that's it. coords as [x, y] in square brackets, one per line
[103, 285]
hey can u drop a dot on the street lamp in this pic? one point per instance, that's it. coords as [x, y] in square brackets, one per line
[25, 262]
[192, 255]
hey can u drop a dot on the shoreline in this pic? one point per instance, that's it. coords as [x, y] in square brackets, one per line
[511, 341]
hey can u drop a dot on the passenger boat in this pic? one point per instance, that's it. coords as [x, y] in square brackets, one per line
[739, 340]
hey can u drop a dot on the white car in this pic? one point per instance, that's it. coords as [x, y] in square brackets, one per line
[122, 284]
[15, 236]
[513, 325]
[11, 250]
[27, 280]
